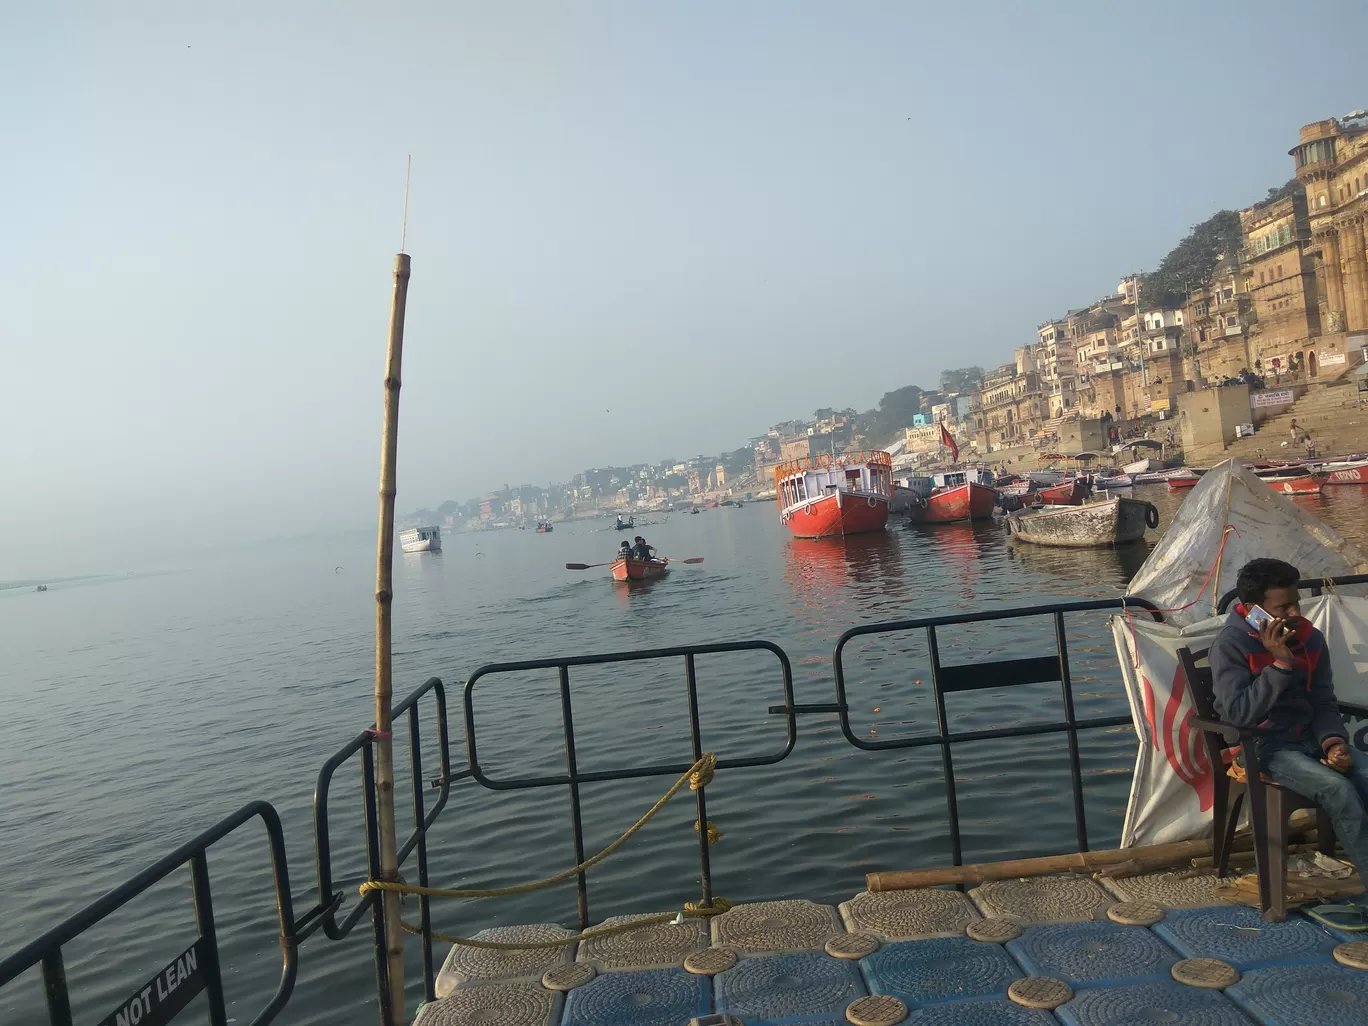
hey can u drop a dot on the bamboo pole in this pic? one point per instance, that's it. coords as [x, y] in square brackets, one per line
[384, 589]
[1153, 856]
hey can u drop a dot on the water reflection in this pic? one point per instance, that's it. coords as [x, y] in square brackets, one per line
[1110, 566]
[874, 558]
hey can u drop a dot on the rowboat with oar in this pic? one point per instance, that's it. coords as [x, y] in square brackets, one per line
[627, 570]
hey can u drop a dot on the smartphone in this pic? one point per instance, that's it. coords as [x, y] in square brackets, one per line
[1257, 617]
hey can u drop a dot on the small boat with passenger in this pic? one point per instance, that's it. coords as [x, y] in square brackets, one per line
[627, 569]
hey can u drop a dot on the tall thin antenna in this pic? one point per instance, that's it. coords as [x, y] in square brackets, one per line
[408, 173]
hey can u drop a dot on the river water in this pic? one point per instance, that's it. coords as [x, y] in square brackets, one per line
[144, 707]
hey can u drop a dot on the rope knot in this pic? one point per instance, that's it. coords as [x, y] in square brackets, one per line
[714, 834]
[702, 774]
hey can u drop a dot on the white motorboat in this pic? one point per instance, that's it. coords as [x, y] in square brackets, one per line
[421, 539]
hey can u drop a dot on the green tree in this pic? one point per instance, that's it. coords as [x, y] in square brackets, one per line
[961, 379]
[1190, 263]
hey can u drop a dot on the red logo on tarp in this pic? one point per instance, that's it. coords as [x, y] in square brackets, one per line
[1176, 738]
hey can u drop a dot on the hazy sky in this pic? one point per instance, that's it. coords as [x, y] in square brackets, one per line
[638, 229]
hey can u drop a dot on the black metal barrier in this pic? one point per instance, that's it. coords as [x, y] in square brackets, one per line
[573, 777]
[196, 968]
[330, 901]
[1313, 584]
[979, 676]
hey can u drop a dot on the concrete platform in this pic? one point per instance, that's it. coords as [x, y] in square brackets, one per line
[1284, 973]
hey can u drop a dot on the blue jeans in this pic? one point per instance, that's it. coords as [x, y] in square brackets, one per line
[1342, 795]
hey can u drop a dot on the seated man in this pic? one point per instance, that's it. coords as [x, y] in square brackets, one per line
[1279, 677]
[625, 551]
[642, 550]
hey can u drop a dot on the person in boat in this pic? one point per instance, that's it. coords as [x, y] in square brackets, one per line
[642, 550]
[1279, 676]
[625, 550]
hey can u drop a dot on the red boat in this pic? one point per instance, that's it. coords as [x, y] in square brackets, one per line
[639, 569]
[1304, 484]
[832, 496]
[1070, 493]
[956, 496]
[1348, 473]
[1183, 482]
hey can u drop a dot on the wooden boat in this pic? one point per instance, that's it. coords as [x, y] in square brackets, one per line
[639, 569]
[1178, 481]
[544, 527]
[1070, 493]
[1355, 473]
[1117, 481]
[956, 495]
[624, 525]
[829, 496]
[1118, 521]
[1301, 484]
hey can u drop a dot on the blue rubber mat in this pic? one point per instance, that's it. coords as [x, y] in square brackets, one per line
[783, 988]
[1143, 1004]
[1240, 936]
[652, 997]
[1093, 954]
[1288, 995]
[978, 1013]
[942, 969]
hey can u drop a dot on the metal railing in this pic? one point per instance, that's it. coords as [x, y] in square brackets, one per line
[194, 969]
[330, 901]
[573, 776]
[1313, 584]
[979, 676]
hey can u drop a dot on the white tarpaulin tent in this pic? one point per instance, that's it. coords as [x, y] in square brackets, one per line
[1232, 505]
[1186, 574]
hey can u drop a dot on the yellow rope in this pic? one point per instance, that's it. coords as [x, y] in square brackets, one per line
[691, 911]
[697, 777]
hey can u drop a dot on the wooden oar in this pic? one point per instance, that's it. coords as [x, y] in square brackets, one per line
[696, 559]
[586, 566]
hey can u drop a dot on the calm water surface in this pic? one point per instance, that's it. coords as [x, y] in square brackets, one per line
[144, 707]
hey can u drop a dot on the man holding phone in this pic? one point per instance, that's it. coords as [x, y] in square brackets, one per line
[1270, 668]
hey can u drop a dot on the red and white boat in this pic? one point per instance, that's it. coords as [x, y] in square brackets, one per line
[1346, 473]
[957, 495]
[832, 496]
[1070, 493]
[639, 569]
[1183, 481]
[1302, 484]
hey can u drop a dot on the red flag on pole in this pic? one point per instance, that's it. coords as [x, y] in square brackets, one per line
[949, 443]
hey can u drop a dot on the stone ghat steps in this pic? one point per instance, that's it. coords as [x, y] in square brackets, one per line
[1033, 952]
[1331, 415]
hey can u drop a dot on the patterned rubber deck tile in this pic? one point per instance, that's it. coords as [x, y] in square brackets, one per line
[980, 1013]
[1044, 899]
[652, 946]
[649, 997]
[1240, 936]
[464, 965]
[905, 915]
[923, 972]
[1141, 1004]
[1171, 890]
[786, 988]
[1093, 954]
[1292, 995]
[776, 926]
[493, 1004]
